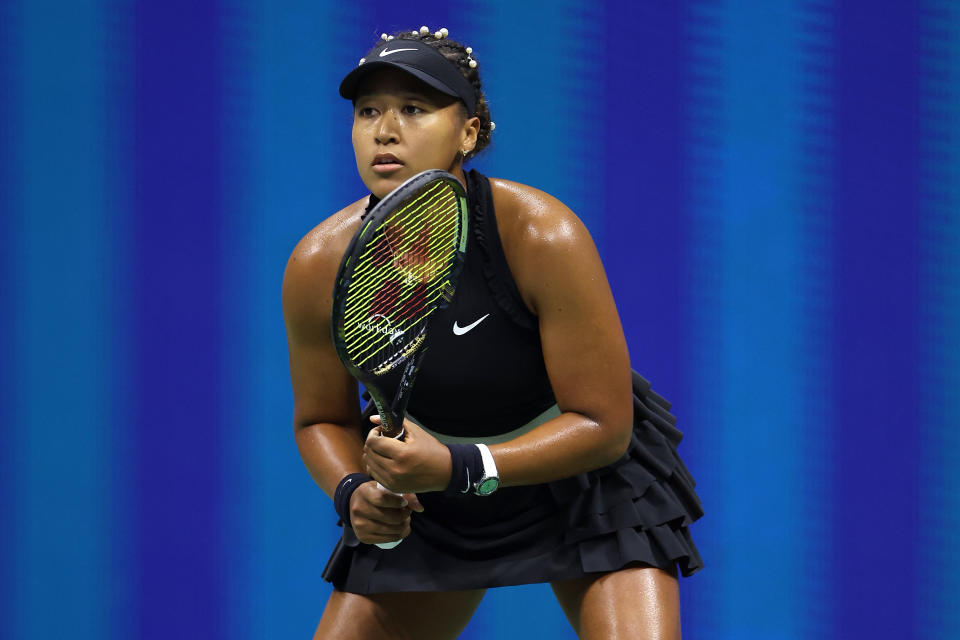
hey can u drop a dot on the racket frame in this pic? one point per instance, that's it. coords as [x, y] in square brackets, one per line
[392, 411]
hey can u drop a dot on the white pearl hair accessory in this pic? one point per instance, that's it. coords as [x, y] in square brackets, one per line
[493, 125]
[424, 30]
[472, 63]
[438, 35]
[444, 32]
[362, 60]
[469, 50]
[414, 33]
[383, 36]
[389, 38]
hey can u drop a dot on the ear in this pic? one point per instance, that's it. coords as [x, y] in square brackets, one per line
[471, 129]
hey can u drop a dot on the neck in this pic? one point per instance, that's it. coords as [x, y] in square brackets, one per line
[457, 171]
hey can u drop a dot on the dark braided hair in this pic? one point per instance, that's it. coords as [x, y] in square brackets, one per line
[457, 54]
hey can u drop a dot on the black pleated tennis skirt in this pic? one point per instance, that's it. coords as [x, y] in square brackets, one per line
[634, 512]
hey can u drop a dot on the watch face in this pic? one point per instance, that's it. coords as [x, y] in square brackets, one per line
[488, 486]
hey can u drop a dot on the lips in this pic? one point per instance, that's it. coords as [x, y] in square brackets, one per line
[385, 162]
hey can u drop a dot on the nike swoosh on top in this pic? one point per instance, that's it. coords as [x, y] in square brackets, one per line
[459, 331]
[386, 53]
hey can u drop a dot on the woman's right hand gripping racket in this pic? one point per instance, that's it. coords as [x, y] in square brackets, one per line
[402, 265]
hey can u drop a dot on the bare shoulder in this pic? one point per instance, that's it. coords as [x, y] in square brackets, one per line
[528, 217]
[309, 277]
[540, 235]
[328, 238]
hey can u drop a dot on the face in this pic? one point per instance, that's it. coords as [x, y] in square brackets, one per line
[402, 126]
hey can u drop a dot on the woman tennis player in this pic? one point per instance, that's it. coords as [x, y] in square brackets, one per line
[531, 452]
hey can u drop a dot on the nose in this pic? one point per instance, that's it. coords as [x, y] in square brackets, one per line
[387, 130]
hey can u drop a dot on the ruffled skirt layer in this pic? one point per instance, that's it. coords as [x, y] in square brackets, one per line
[635, 512]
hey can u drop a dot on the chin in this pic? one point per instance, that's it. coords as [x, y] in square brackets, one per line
[380, 187]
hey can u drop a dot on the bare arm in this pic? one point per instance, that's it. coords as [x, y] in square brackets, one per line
[326, 413]
[559, 272]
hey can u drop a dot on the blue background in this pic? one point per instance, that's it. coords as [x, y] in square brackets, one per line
[774, 188]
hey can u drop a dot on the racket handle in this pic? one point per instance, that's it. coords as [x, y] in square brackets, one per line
[389, 545]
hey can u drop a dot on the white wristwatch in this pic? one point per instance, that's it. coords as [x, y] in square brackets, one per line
[490, 481]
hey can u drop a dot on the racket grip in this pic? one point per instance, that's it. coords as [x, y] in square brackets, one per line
[389, 545]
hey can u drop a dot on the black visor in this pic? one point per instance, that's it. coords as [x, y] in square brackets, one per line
[419, 60]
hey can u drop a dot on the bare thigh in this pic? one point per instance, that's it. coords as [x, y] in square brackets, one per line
[415, 615]
[637, 602]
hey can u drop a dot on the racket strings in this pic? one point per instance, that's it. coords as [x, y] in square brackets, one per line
[400, 306]
[413, 250]
[401, 276]
[418, 263]
[381, 253]
[405, 229]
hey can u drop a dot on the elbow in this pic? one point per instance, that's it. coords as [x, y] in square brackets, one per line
[616, 442]
[609, 438]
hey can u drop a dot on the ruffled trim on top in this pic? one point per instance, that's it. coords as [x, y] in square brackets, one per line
[496, 270]
[626, 513]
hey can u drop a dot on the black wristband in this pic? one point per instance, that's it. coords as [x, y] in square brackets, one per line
[341, 497]
[466, 468]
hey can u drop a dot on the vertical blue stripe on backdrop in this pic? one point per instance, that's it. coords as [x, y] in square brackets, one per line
[177, 302]
[61, 405]
[285, 117]
[938, 579]
[10, 293]
[546, 99]
[701, 102]
[816, 199]
[243, 588]
[747, 258]
[877, 302]
[643, 117]
[123, 591]
[761, 325]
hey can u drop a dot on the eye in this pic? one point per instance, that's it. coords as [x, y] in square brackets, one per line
[366, 112]
[412, 109]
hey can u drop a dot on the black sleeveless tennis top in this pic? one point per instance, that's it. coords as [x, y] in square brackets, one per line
[483, 373]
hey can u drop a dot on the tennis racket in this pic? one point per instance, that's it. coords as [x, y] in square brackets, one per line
[401, 266]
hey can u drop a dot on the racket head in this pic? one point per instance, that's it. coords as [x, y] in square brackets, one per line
[401, 266]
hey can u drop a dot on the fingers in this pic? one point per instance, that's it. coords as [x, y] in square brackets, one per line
[414, 502]
[387, 499]
[380, 457]
[408, 425]
[378, 515]
[386, 447]
[379, 497]
[378, 420]
[372, 533]
[417, 463]
[375, 466]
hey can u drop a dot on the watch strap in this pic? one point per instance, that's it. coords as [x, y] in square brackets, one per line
[489, 472]
[489, 466]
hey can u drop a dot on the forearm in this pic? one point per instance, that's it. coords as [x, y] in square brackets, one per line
[562, 447]
[330, 451]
